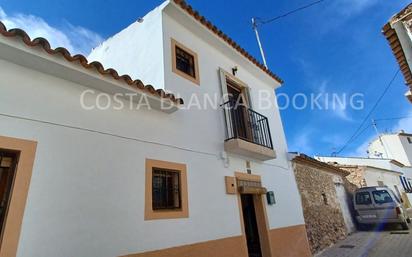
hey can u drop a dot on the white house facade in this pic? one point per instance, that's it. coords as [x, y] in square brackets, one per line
[375, 172]
[90, 172]
[397, 146]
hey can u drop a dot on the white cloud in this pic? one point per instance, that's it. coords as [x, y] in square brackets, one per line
[301, 143]
[337, 104]
[338, 12]
[353, 7]
[75, 38]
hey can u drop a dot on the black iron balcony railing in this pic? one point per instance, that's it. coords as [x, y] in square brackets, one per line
[244, 123]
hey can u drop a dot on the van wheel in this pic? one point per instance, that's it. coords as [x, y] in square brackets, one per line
[405, 226]
[408, 220]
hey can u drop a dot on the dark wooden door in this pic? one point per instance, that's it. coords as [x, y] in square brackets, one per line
[8, 163]
[251, 227]
[240, 117]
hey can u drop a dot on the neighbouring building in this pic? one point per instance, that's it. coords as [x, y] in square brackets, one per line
[396, 146]
[398, 32]
[375, 172]
[326, 201]
[88, 173]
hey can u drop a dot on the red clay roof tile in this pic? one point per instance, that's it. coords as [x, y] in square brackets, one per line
[395, 45]
[225, 37]
[81, 60]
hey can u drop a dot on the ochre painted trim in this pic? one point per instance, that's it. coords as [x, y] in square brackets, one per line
[239, 84]
[230, 183]
[263, 225]
[285, 242]
[195, 80]
[226, 247]
[261, 215]
[149, 213]
[290, 242]
[246, 176]
[15, 210]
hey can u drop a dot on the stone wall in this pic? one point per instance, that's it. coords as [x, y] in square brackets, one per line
[356, 176]
[325, 224]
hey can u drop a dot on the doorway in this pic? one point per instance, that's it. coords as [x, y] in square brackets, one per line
[8, 161]
[239, 106]
[251, 226]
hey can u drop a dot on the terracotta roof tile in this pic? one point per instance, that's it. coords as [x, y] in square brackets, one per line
[303, 158]
[395, 45]
[225, 37]
[82, 61]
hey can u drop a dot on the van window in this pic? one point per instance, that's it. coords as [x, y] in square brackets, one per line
[363, 198]
[382, 196]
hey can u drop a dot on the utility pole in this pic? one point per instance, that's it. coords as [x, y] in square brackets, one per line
[379, 136]
[254, 26]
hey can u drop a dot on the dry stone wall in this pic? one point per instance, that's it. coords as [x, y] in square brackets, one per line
[323, 217]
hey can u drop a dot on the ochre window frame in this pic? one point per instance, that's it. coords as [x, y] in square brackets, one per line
[151, 214]
[195, 79]
[26, 150]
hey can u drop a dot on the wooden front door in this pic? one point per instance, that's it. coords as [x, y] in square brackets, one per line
[251, 226]
[8, 161]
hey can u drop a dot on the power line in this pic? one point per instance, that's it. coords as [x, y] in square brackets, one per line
[370, 112]
[396, 118]
[258, 21]
[128, 138]
[289, 13]
[356, 137]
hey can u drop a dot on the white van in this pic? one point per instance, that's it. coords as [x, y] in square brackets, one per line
[377, 205]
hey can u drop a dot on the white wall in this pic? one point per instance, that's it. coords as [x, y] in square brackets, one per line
[137, 50]
[345, 204]
[390, 179]
[393, 146]
[379, 169]
[407, 147]
[277, 174]
[86, 196]
[87, 191]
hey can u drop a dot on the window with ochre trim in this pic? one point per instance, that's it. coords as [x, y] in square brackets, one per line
[166, 190]
[184, 62]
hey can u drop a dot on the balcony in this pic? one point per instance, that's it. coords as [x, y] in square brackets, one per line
[248, 132]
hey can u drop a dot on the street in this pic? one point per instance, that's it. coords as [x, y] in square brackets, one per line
[389, 242]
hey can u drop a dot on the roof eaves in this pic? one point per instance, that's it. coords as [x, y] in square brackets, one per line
[82, 61]
[391, 36]
[306, 159]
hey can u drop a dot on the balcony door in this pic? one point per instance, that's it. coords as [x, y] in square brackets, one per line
[239, 105]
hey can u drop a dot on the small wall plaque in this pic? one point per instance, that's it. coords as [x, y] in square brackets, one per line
[270, 197]
[230, 185]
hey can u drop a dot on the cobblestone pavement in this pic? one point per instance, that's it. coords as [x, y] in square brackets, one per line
[390, 242]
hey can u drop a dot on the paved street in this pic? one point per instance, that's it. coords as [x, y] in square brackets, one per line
[387, 243]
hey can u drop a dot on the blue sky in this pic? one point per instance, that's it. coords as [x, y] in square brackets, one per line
[334, 47]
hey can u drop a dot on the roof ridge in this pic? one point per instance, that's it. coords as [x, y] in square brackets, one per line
[82, 61]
